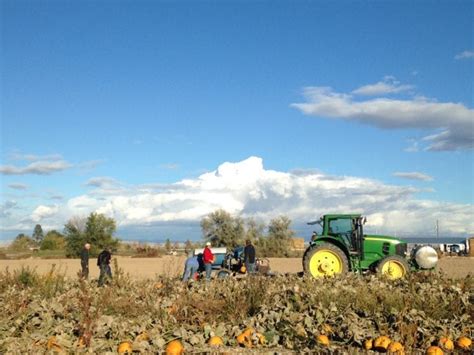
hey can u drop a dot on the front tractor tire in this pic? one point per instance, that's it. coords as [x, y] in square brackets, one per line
[393, 267]
[325, 259]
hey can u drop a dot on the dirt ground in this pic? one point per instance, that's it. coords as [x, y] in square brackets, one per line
[143, 268]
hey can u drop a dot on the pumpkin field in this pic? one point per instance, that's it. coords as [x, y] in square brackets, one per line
[50, 313]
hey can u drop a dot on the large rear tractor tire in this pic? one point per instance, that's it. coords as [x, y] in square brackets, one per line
[325, 259]
[393, 267]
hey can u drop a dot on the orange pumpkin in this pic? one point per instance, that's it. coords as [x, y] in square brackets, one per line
[434, 350]
[215, 341]
[322, 340]
[446, 343]
[381, 343]
[174, 348]
[464, 343]
[125, 347]
[396, 348]
[368, 344]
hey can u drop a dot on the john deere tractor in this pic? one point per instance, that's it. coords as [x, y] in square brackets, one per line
[343, 246]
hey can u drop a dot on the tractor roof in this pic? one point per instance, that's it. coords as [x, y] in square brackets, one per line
[338, 215]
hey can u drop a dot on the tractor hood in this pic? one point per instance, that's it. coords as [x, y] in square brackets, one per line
[383, 238]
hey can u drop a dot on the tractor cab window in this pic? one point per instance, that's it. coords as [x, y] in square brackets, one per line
[340, 226]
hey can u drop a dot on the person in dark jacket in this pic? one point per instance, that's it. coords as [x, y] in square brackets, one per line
[85, 261]
[103, 262]
[249, 257]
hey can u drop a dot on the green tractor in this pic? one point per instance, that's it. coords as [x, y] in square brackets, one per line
[343, 246]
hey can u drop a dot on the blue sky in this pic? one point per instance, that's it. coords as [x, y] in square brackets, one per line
[115, 104]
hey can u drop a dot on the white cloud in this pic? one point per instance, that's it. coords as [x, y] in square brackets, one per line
[246, 188]
[104, 185]
[43, 164]
[413, 176]
[452, 124]
[44, 212]
[37, 168]
[102, 182]
[38, 164]
[18, 186]
[388, 86]
[464, 55]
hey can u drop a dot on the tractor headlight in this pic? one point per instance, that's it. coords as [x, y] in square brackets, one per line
[426, 257]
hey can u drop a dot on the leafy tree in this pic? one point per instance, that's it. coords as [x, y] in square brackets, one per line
[98, 231]
[38, 234]
[22, 242]
[75, 236]
[221, 229]
[53, 240]
[277, 242]
[254, 230]
[279, 229]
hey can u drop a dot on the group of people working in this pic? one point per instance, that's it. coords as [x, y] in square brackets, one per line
[193, 262]
[191, 266]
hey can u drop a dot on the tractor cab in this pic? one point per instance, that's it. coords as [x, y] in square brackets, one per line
[346, 230]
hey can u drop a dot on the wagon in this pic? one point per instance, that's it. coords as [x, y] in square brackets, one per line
[232, 263]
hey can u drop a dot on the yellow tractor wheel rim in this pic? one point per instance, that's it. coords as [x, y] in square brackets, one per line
[325, 263]
[393, 270]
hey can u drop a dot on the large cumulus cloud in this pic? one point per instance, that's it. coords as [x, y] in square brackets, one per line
[247, 189]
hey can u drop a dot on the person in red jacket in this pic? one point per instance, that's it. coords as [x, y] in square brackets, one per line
[208, 259]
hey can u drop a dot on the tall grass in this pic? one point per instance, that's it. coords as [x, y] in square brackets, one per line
[47, 285]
